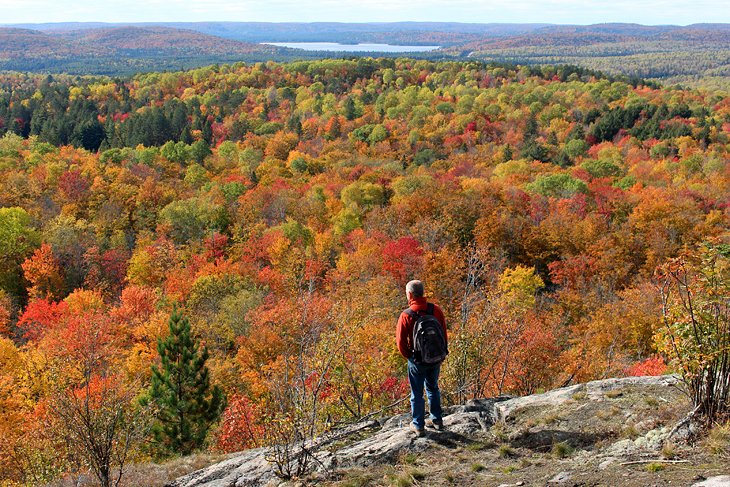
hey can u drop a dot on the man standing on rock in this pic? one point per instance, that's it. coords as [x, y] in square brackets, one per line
[421, 338]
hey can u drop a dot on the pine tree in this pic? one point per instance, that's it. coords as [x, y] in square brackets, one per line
[187, 405]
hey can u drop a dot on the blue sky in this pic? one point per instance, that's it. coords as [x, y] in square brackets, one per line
[650, 12]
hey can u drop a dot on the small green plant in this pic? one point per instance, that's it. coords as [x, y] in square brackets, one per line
[505, 451]
[508, 469]
[449, 478]
[579, 396]
[651, 402]
[480, 445]
[359, 480]
[406, 479]
[630, 432]
[655, 467]
[477, 467]
[403, 480]
[408, 459]
[562, 450]
[499, 430]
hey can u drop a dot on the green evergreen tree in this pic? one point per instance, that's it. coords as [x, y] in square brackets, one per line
[507, 153]
[350, 108]
[187, 404]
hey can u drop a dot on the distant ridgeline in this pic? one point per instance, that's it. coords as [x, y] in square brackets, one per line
[688, 54]
[153, 109]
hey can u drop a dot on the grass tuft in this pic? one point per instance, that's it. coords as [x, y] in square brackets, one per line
[403, 480]
[408, 459]
[579, 396]
[505, 451]
[655, 467]
[651, 402]
[551, 418]
[480, 445]
[562, 450]
[357, 481]
[499, 430]
[717, 441]
[630, 432]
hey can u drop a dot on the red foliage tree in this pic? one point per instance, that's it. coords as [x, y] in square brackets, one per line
[73, 186]
[241, 425]
[40, 316]
[403, 259]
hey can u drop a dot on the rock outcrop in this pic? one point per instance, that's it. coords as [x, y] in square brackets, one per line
[603, 424]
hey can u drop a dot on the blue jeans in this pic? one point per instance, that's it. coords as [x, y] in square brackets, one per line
[418, 374]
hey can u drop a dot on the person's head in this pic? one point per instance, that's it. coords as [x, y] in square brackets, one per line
[414, 289]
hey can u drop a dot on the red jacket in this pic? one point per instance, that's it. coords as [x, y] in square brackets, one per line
[404, 329]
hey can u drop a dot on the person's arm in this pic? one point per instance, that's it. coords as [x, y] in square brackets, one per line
[402, 337]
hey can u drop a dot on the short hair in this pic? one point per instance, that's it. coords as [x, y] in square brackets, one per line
[415, 288]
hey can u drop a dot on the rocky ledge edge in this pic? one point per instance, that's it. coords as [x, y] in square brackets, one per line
[579, 415]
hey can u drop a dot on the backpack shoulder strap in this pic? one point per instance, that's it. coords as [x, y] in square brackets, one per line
[411, 313]
[430, 309]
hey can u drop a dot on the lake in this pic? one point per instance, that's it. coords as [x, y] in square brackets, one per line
[334, 46]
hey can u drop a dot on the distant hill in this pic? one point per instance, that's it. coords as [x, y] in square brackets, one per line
[115, 50]
[667, 53]
[655, 52]
[20, 42]
[441, 33]
[314, 31]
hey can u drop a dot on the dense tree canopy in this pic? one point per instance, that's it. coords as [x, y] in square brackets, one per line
[283, 207]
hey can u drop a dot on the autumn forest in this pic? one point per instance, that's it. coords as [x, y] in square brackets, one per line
[279, 210]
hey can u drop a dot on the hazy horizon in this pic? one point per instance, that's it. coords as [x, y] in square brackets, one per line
[561, 12]
[163, 22]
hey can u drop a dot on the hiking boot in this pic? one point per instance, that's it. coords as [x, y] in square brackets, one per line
[437, 424]
[418, 431]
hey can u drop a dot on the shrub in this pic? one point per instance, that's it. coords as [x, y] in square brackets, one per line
[505, 451]
[696, 325]
[562, 450]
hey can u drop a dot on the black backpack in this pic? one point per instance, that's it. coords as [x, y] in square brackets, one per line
[429, 342]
